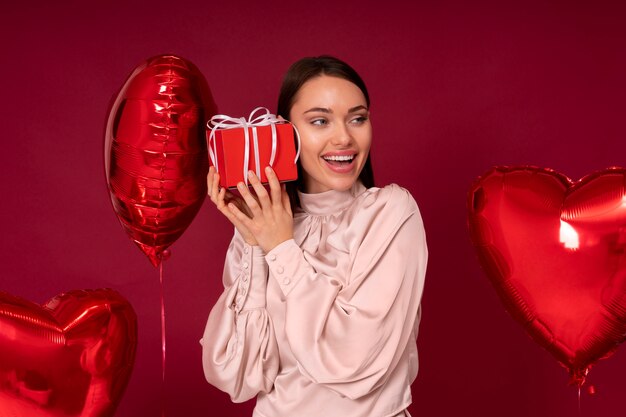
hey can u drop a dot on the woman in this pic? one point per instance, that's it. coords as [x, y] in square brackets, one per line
[321, 307]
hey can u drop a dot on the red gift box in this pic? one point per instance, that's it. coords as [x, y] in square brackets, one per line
[269, 141]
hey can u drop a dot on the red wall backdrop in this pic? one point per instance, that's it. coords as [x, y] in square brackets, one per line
[456, 87]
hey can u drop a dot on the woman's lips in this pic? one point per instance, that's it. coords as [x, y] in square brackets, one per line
[340, 162]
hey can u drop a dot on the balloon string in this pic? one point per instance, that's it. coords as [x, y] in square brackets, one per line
[162, 339]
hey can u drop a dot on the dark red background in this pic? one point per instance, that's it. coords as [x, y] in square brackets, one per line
[456, 87]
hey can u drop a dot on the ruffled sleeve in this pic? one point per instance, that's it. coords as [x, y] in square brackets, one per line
[348, 333]
[239, 352]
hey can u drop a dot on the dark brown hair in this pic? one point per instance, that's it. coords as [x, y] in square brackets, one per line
[299, 73]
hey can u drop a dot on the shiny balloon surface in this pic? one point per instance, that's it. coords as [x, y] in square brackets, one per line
[554, 249]
[71, 357]
[156, 159]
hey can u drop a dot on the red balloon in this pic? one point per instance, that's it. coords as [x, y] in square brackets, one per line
[70, 358]
[155, 151]
[554, 249]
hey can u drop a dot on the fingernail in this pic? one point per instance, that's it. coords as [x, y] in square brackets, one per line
[250, 173]
[240, 185]
[268, 169]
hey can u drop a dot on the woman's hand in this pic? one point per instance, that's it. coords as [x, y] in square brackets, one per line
[222, 198]
[269, 219]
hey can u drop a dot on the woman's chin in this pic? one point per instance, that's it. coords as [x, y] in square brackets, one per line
[343, 184]
[331, 181]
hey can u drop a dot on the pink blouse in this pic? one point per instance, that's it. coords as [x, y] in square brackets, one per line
[325, 324]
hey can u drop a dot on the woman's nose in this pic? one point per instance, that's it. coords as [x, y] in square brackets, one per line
[341, 136]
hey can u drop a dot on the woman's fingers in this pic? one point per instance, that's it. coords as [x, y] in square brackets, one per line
[285, 200]
[254, 207]
[223, 198]
[260, 191]
[221, 202]
[275, 189]
[213, 180]
[219, 195]
[216, 184]
[240, 217]
[209, 182]
[249, 199]
[262, 217]
[209, 179]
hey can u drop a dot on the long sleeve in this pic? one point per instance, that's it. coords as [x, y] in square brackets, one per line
[239, 352]
[348, 333]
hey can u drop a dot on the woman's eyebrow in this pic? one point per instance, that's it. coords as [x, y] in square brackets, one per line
[329, 111]
[319, 109]
[357, 108]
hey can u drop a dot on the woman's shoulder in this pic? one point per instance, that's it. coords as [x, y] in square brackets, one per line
[390, 198]
[379, 214]
[387, 207]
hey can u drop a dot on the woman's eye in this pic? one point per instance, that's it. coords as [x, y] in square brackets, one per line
[319, 122]
[359, 119]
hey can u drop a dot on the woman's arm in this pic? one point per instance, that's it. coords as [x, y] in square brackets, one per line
[239, 352]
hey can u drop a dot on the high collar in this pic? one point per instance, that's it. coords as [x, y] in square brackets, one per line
[329, 202]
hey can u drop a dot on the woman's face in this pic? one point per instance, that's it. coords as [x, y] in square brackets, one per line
[332, 117]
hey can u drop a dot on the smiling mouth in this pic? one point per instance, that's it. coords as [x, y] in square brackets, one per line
[339, 160]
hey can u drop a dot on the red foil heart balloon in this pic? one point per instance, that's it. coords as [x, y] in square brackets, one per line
[155, 152]
[554, 250]
[70, 358]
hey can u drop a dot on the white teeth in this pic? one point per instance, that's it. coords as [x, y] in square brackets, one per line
[338, 157]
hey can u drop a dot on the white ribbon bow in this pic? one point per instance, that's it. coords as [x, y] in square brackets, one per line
[221, 121]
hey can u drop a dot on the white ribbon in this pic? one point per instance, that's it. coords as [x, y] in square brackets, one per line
[221, 121]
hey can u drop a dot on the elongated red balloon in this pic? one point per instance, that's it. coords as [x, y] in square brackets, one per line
[71, 357]
[155, 151]
[554, 249]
